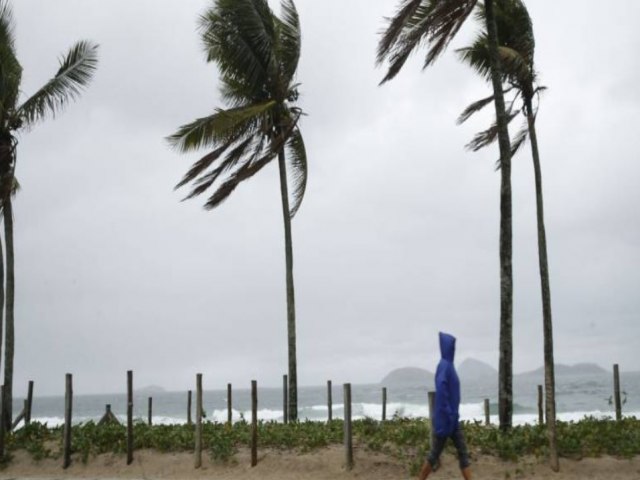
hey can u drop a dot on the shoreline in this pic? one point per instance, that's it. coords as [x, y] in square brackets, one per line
[220, 416]
[322, 464]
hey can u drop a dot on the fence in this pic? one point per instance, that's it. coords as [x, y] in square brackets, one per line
[26, 414]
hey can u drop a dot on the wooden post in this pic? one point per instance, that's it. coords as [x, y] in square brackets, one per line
[384, 403]
[150, 411]
[431, 397]
[2, 426]
[198, 452]
[108, 416]
[487, 412]
[285, 399]
[129, 417]
[329, 402]
[616, 391]
[20, 417]
[540, 405]
[189, 408]
[254, 423]
[68, 407]
[348, 438]
[229, 405]
[27, 414]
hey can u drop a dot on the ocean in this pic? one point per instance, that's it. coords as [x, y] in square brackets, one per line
[577, 396]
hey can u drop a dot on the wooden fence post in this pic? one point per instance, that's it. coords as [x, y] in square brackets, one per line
[616, 391]
[198, 448]
[285, 399]
[129, 417]
[254, 423]
[348, 438]
[540, 405]
[384, 403]
[108, 416]
[487, 412]
[189, 422]
[68, 408]
[229, 405]
[329, 402]
[150, 411]
[27, 413]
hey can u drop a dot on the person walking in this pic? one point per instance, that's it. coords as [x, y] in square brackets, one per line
[446, 416]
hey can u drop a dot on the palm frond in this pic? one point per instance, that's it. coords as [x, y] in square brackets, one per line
[202, 164]
[249, 168]
[289, 40]
[488, 136]
[7, 36]
[447, 19]
[520, 139]
[222, 126]
[10, 78]
[477, 56]
[434, 22]
[297, 159]
[414, 34]
[233, 158]
[516, 44]
[473, 108]
[238, 35]
[395, 28]
[76, 71]
[246, 171]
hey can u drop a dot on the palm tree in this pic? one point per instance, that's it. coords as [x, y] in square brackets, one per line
[435, 23]
[75, 72]
[517, 45]
[257, 54]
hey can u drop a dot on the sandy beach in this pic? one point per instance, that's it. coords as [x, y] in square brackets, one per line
[324, 464]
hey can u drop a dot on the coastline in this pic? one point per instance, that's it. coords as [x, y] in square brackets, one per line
[322, 464]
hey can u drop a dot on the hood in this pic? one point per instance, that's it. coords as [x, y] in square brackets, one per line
[447, 346]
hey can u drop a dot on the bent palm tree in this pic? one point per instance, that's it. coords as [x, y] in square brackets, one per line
[75, 72]
[435, 23]
[517, 45]
[257, 54]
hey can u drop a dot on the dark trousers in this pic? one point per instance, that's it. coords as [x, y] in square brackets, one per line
[458, 441]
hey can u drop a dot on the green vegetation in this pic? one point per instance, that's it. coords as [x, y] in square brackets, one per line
[404, 439]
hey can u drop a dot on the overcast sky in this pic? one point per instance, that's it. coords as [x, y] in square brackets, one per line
[397, 237]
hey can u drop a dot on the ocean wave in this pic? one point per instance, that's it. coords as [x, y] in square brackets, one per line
[468, 412]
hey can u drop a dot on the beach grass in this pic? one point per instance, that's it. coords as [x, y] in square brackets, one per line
[404, 439]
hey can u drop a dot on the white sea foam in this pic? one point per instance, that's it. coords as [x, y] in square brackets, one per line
[468, 412]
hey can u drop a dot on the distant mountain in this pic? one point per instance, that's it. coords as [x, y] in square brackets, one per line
[472, 369]
[408, 377]
[568, 370]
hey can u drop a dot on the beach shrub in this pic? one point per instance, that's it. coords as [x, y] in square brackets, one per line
[408, 440]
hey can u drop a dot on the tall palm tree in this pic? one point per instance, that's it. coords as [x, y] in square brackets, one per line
[75, 72]
[517, 45]
[257, 54]
[435, 23]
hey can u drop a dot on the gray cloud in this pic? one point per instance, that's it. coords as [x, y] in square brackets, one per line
[397, 237]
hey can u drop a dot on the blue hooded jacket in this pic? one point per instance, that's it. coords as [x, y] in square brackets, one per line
[445, 419]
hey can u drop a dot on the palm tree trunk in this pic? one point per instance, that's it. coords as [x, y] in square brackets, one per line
[505, 394]
[291, 304]
[549, 369]
[1, 298]
[9, 339]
